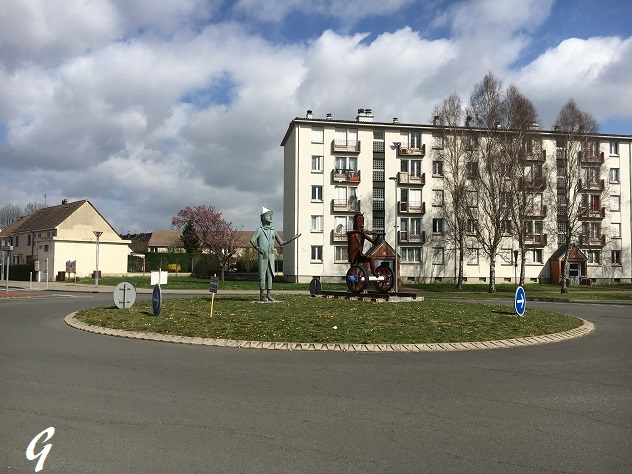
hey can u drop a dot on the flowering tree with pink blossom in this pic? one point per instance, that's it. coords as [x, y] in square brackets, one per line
[216, 235]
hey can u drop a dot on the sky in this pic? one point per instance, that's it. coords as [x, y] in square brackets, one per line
[146, 107]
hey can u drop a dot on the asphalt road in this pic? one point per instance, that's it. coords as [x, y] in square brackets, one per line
[127, 406]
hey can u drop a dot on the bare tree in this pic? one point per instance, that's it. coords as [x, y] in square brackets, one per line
[487, 171]
[578, 194]
[8, 214]
[523, 149]
[450, 161]
[33, 207]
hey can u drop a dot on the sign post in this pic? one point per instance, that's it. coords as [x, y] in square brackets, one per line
[520, 301]
[156, 299]
[214, 285]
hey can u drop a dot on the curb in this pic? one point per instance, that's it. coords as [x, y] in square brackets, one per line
[586, 328]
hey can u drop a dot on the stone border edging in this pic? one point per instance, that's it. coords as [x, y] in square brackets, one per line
[586, 328]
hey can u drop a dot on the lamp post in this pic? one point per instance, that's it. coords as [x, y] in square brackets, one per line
[515, 256]
[96, 274]
[395, 179]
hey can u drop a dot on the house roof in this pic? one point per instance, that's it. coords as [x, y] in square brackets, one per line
[165, 238]
[574, 254]
[43, 219]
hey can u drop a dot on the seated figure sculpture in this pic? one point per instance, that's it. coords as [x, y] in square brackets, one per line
[356, 238]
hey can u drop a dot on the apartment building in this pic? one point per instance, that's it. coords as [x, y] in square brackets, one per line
[393, 173]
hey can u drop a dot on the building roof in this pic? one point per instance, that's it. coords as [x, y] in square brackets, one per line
[165, 238]
[43, 219]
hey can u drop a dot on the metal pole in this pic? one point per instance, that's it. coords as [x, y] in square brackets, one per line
[96, 275]
[394, 179]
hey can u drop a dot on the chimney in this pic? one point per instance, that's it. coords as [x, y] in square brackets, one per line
[64, 201]
[364, 115]
[395, 119]
[310, 115]
[435, 121]
[328, 117]
[468, 121]
[534, 125]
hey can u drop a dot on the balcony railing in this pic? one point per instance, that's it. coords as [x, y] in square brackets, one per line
[339, 235]
[536, 155]
[538, 240]
[346, 205]
[406, 237]
[592, 157]
[592, 185]
[412, 207]
[592, 241]
[536, 183]
[347, 146]
[592, 212]
[411, 178]
[536, 211]
[405, 150]
[345, 176]
[378, 146]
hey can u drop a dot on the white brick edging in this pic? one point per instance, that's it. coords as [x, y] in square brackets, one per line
[586, 328]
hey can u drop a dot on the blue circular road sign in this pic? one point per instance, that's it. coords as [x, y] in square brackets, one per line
[520, 301]
[156, 299]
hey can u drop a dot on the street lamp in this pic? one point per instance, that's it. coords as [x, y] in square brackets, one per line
[395, 179]
[96, 274]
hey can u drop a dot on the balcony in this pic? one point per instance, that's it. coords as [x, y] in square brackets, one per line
[411, 178]
[346, 205]
[532, 184]
[345, 146]
[592, 156]
[536, 155]
[406, 237]
[535, 240]
[592, 212]
[591, 185]
[536, 211]
[592, 241]
[345, 176]
[405, 150]
[412, 207]
[339, 235]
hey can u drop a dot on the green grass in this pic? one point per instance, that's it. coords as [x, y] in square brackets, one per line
[306, 319]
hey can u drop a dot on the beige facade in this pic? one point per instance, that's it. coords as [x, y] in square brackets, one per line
[55, 235]
[392, 173]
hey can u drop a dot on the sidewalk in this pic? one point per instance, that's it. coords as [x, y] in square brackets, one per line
[24, 288]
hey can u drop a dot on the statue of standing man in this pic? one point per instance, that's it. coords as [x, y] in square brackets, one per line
[263, 241]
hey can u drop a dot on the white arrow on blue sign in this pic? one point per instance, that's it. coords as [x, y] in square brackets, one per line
[520, 301]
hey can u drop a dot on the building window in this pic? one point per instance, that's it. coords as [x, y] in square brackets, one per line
[410, 254]
[616, 257]
[437, 141]
[471, 168]
[437, 226]
[317, 223]
[378, 170]
[437, 168]
[505, 255]
[318, 134]
[17, 240]
[472, 198]
[317, 253]
[437, 197]
[28, 240]
[536, 256]
[592, 256]
[378, 199]
[340, 253]
[378, 224]
[506, 227]
[437, 256]
[317, 193]
[615, 203]
[614, 148]
[472, 256]
[615, 230]
[470, 228]
[614, 175]
[317, 163]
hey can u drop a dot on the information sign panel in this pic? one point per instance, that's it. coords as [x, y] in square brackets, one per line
[520, 301]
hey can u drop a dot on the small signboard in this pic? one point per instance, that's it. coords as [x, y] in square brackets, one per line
[159, 278]
[124, 295]
[7, 248]
[520, 301]
[71, 266]
[156, 299]
[214, 285]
